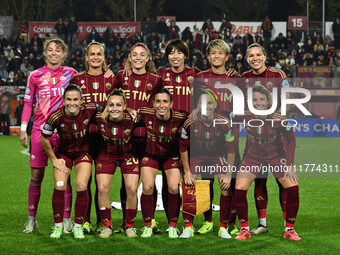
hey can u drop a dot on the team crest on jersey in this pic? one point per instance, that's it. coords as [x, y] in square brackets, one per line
[174, 130]
[145, 160]
[137, 83]
[83, 86]
[114, 131]
[27, 91]
[82, 81]
[190, 79]
[74, 126]
[62, 78]
[161, 128]
[178, 79]
[257, 83]
[108, 86]
[206, 80]
[218, 83]
[150, 122]
[126, 78]
[269, 84]
[283, 161]
[127, 131]
[149, 86]
[53, 80]
[102, 125]
[95, 85]
[207, 135]
[167, 74]
[85, 122]
[259, 130]
[99, 166]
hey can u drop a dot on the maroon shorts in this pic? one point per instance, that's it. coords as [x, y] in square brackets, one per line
[129, 165]
[160, 164]
[278, 166]
[70, 161]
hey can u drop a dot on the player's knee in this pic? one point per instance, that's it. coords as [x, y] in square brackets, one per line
[60, 185]
[103, 188]
[148, 189]
[173, 189]
[81, 186]
[131, 190]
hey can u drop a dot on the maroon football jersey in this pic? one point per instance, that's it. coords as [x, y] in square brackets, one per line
[96, 89]
[213, 81]
[180, 85]
[139, 88]
[218, 140]
[270, 78]
[117, 137]
[162, 136]
[73, 131]
[265, 142]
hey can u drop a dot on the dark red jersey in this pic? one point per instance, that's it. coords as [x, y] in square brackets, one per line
[207, 140]
[215, 82]
[73, 131]
[96, 89]
[162, 136]
[268, 139]
[117, 137]
[180, 85]
[270, 78]
[139, 88]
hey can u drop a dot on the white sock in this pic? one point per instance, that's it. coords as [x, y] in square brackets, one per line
[247, 228]
[67, 219]
[76, 225]
[58, 225]
[263, 221]
[286, 229]
[31, 217]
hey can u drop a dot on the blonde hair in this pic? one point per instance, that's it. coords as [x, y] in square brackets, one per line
[218, 44]
[60, 43]
[115, 92]
[149, 66]
[104, 65]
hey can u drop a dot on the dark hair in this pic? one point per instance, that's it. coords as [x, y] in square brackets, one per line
[263, 90]
[178, 45]
[163, 90]
[73, 87]
[255, 45]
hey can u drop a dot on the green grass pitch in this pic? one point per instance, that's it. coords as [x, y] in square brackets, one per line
[318, 222]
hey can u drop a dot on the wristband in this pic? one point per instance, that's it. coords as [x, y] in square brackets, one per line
[23, 127]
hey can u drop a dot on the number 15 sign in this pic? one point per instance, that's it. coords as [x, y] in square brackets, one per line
[297, 23]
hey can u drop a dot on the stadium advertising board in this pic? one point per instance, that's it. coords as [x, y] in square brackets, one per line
[319, 75]
[84, 28]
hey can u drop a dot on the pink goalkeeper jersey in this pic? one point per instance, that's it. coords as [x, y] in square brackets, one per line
[45, 89]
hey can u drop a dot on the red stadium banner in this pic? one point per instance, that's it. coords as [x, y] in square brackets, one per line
[297, 22]
[315, 77]
[84, 28]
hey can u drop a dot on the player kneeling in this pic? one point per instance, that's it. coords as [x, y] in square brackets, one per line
[210, 147]
[116, 127]
[162, 152]
[71, 122]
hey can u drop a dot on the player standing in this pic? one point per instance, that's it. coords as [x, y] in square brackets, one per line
[138, 87]
[72, 124]
[270, 78]
[44, 91]
[162, 152]
[96, 87]
[268, 145]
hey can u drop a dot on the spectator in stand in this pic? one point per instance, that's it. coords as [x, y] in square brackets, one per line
[336, 33]
[187, 35]
[248, 39]
[9, 53]
[173, 30]
[318, 38]
[23, 27]
[290, 38]
[309, 47]
[72, 28]
[35, 40]
[93, 36]
[18, 111]
[153, 37]
[110, 41]
[198, 39]
[237, 43]
[280, 42]
[258, 38]
[162, 29]
[3, 66]
[206, 29]
[147, 28]
[267, 27]
[226, 30]
[5, 111]
[61, 29]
